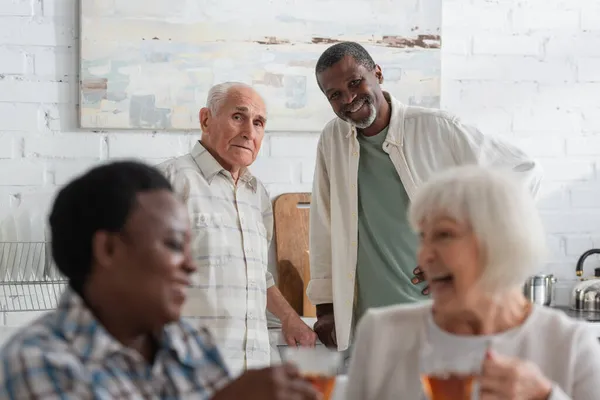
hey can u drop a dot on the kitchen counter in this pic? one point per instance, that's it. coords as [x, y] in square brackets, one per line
[593, 318]
[587, 316]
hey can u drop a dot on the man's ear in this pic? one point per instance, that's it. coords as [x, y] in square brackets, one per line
[103, 249]
[205, 117]
[378, 74]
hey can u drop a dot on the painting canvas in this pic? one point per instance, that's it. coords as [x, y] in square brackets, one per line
[149, 64]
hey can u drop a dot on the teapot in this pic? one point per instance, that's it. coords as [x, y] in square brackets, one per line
[586, 294]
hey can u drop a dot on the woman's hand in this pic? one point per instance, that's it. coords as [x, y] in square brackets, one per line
[276, 383]
[507, 378]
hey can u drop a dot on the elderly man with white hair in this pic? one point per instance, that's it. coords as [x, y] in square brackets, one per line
[480, 237]
[232, 222]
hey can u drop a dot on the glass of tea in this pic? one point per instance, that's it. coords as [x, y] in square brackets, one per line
[448, 386]
[449, 371]
[318, 365]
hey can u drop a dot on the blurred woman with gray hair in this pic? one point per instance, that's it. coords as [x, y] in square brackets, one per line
[481, 237]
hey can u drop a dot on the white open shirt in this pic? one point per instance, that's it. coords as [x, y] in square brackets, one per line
[420, 142]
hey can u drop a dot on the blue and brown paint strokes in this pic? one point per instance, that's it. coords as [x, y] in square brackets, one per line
[149, 65]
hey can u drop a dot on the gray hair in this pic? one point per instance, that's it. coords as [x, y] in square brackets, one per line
[502, 214]
[333, 54]
[218, 93]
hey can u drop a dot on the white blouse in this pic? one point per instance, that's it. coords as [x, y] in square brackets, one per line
[390, 342]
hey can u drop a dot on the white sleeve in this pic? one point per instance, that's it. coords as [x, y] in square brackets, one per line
[471, 146]
[319, 289]
[586, 374]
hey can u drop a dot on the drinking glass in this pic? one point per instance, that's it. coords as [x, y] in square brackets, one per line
[449, 372]
[318, 365]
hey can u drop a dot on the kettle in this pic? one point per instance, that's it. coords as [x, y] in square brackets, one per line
[586, 294]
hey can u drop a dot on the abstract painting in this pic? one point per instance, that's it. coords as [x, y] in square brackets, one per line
[149, 64]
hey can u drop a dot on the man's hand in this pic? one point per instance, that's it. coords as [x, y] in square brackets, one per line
[295, 331]
[418, 278]
[325, 325]
[276, 383]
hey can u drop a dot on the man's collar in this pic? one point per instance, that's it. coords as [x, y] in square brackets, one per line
[90, 340]
[210, 167]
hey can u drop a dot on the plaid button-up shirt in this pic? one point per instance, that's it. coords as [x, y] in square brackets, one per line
[67, 354]
[232, 227]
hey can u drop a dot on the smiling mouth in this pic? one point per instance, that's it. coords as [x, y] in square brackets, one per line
[356, 107]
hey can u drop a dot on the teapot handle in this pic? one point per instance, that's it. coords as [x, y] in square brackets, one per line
[579, 267]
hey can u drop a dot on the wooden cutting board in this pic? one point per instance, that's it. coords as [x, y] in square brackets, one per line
[291, 215]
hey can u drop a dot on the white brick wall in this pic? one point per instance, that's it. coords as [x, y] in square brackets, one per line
[536, 63]
[527, 69]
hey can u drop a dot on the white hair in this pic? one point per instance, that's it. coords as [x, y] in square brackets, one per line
[218, 94]
[502, 214]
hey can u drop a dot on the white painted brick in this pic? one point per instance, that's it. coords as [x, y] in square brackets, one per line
[553, 196]
[569, 95]
[591, 120]
[583, 146]
[541, 146]
[308, 171]
[24, 31]
[450, 93]
[548, 120]
[583, 44]
[272, 171]
[7, 145]
[21, 173]
[525, 19]
[17, 8]
[590, 16]
[568, 170]
[18, 117]
[60, 117]
[556, 246]
[66, 170]
[478, 16]
[58, 8]
[456, 41]
[506, 95]
[157, 146]
[276, 189]
[524, 45]
[588, 69]
[35, 92]
[11, 61]
[55, 62]
[491, 121]
[508, 68]
[73, 145]
[294, 146]
[586, 196]
[571, 222]
[577, 245]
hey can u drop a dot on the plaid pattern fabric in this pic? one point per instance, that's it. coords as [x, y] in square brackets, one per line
[232, 227]
[67, 354]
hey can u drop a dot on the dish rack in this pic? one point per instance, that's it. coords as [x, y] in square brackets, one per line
[29, 279]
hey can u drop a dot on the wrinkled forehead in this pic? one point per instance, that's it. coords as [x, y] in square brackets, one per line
[245, 100]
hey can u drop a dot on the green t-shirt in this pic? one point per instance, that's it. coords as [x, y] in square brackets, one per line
[387, 245]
